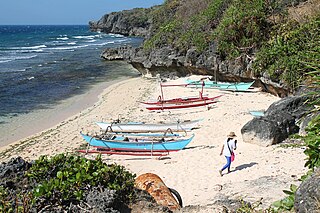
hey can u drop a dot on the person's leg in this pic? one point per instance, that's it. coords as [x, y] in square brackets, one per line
[227, 165]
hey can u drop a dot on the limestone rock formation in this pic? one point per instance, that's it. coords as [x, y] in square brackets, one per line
[133, 22]
[307, 198]
[168, 62]
[280, 120]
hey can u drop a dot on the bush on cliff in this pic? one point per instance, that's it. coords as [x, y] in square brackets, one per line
[291, 51]
[262, 30]
[184, 24]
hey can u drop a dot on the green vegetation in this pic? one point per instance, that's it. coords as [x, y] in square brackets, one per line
[311, 140]
[242, 28]
[71, 174]
[290, 52]
[137, 17]
[287, 203]
[263, 30]
[185, 25]
[237, 25]
[65, 179]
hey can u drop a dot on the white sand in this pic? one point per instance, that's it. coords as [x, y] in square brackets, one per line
[258, 172]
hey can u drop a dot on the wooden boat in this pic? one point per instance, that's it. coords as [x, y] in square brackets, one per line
[139, 145]
[179, 103]
[148, 127]
[132, 137]
[183, 100]
[222, 86]
[180, 106]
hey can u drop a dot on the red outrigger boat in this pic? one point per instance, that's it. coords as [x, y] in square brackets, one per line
[186, 100]
[179, 103]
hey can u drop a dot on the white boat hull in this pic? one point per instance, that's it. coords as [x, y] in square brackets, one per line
[144, 127]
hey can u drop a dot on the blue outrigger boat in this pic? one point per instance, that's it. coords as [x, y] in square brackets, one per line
[241, 86]
[139, 145]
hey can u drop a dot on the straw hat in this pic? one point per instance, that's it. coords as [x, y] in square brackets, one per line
[232, 135]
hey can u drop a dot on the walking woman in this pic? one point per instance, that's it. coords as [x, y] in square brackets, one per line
[230, 144]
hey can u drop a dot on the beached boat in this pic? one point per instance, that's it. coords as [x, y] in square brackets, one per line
[179, 103]
[148, 127]
[140, 136]
[183, 100]
[139, 145]
[241, 86]
[179, 106]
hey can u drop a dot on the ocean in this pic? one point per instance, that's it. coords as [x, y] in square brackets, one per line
[40, 66]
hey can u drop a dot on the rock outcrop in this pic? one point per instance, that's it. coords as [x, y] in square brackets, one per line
[307, 197]
[280, 120]
[167, 55]
[168, 62]
[133, 22]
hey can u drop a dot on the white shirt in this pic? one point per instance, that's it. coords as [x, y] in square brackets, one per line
[232, 145]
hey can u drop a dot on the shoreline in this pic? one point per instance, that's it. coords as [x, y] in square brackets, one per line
[258, 172]
[27, 125]
[18, 147]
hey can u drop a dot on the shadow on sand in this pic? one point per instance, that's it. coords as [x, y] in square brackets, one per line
[149, 158]
[244, 166]
[199, 147]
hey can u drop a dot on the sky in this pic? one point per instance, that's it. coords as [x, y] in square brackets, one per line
[41, 12]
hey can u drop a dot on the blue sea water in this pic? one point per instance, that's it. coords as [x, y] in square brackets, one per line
[42, 65]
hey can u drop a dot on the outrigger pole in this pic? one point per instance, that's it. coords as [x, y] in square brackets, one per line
[161, 91]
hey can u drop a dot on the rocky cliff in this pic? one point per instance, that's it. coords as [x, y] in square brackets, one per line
[182, 38]
[170, 62]
[133, 22]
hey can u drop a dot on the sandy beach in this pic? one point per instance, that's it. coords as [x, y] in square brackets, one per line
[257, 173]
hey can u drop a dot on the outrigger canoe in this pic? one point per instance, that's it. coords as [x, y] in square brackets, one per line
[183, 100]
[179, 106]
[140, 136]
[139, 145]
[242, 86]
[148, 127]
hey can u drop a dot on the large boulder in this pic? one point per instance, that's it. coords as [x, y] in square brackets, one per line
[307, 198]
[280, 120]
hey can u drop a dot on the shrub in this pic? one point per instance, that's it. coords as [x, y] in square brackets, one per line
[290, 51]
[65, 178]
[242, 28]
